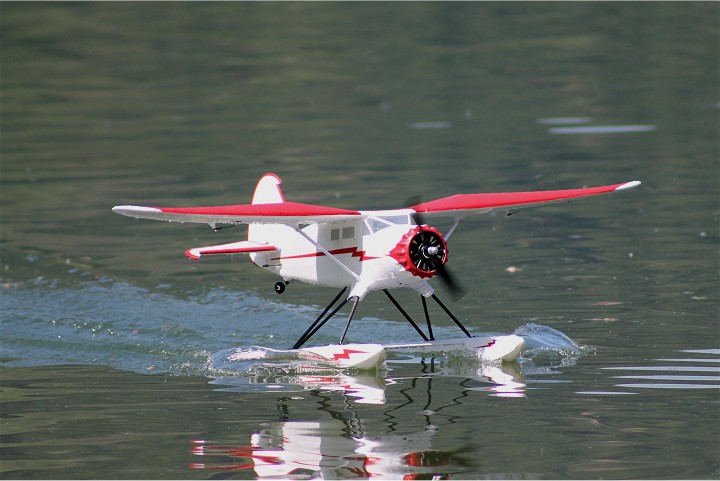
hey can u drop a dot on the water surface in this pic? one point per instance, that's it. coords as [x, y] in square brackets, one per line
[117, 352]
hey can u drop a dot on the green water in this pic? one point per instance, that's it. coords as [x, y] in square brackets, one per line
[109, 334]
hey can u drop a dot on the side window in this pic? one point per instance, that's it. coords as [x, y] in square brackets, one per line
[345, 232]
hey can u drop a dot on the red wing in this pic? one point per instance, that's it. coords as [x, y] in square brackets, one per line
[461, 205]
[290, 213]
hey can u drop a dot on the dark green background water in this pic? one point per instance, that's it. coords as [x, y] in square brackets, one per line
[107, 329]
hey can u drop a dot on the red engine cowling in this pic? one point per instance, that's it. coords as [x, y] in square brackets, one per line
[421, 251]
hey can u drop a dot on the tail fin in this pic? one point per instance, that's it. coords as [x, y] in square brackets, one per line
[267, 191]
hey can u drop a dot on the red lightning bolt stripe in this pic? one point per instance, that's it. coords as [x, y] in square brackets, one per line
[353, 251]
[346, 354]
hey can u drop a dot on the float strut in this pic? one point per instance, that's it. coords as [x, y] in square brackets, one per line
[427, 318]
[447, 311]
[355, 300]
[402, 311]
[313, 329]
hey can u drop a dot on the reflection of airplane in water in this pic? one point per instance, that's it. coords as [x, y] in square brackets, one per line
[344, 445]
[324, 450]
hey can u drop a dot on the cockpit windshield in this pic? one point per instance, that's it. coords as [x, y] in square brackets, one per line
[377, 223]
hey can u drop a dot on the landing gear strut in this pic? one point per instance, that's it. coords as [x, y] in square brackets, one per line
[323, 318]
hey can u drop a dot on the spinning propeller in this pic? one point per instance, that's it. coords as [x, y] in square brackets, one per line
[429, 252]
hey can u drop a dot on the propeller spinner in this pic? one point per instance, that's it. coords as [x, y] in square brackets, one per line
[422, 251]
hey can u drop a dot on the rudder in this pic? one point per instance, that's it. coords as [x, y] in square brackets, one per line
[267, 191]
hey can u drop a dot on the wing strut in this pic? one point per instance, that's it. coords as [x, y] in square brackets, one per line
[327, 253]
[452, 228]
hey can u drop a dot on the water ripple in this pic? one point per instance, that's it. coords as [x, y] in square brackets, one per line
[672, 376]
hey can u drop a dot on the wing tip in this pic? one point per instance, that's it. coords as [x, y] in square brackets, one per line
[131, 210]
[193, 254]
[628, 185]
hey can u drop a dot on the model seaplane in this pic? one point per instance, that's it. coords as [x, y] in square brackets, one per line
[360, 251]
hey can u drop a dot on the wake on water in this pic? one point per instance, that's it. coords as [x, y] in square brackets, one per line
[129, 328]
[543, 343]
[262, 369]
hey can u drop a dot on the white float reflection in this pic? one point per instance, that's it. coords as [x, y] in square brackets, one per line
[348, 439]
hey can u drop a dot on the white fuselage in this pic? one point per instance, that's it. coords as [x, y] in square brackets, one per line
[347, 254]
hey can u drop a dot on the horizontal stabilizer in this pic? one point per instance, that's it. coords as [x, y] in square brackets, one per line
[243, 247]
